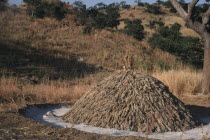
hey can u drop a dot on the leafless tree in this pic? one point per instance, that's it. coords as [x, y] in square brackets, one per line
[202, 28]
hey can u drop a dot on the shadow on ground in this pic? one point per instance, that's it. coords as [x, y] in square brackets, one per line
[22, 60]
[201, 112]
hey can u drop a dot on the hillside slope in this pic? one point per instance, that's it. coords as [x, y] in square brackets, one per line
[102, 48]
[45, 58]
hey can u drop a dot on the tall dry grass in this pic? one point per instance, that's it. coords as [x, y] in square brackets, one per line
[181, 82]
[13, 91]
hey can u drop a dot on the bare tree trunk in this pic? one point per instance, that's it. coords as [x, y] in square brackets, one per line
[206, 67]
[202, 30]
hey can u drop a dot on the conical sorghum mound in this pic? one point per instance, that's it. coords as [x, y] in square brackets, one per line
[132, 101]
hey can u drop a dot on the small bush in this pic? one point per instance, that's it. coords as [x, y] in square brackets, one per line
[41, 9]
[3, 5]
[159, 2]
[139, 3]
[126, 6]
[134, 29]
[154, 9]
[97, 18]
[87, 30]
[172, 32]
[99, 21]
[168, 4]
[154, 23]
[82, 13]
[58, 10]
[112, 16]
[100, 5]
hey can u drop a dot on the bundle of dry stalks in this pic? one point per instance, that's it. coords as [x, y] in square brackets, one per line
[132, 101]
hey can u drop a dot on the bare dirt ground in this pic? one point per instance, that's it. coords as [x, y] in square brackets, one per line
[15, 126]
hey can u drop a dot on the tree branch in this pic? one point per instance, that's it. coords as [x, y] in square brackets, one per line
[206, 16]
[179, 9]
[191, 7]
[196, 26]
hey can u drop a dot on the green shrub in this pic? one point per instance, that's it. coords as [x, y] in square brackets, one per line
[43, 8]
[154, 23]
[82, 12]
[159, 2]
[3, 5]
[87, 30]
[154, 9]
[57, 10]
[100, 5]
[112, 15]
[139, 3]
[126, 6]
[98, 18]
[99, 21]
[188, 49]
[134, 29]
[172, 32]
[168, 4]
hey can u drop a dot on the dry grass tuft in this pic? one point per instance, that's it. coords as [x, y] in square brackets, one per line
[12, 91]
[181, 82]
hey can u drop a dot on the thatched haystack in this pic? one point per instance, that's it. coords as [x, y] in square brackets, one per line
[132, 101]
